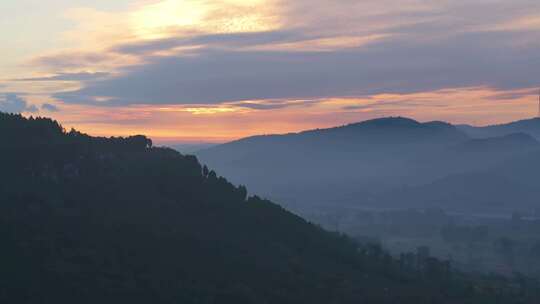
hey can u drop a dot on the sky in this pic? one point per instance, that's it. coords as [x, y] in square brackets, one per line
[194, 71]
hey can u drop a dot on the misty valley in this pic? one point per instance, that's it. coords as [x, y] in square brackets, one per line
[484, 244]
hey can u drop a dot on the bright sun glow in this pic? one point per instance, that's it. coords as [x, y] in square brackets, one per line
[159, 19]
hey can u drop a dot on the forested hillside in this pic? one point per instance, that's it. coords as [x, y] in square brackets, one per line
[116, 220]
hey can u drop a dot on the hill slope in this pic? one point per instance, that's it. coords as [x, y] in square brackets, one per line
[97, 220]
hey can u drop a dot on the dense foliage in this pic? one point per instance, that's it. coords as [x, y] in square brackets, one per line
[116, 220]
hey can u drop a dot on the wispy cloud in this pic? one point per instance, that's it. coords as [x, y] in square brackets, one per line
[66, 60]
[209, 40]
[275, 104]
[82, 76]
[215, 76]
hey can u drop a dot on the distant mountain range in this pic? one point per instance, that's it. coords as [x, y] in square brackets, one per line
[394, 161]
[190, 148]
[528, 126]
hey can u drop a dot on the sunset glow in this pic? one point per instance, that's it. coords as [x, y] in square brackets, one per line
[202, 70]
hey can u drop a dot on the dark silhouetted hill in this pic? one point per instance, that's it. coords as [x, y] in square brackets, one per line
[116, 220]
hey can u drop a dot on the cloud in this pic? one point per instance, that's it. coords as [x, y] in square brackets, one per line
[49, 107]
[442, 17]
[425, 46]
[12, 103]
[275, 104]
[83, 76]
[401, 65]
[210, 40]
[380, 104]
[70, 60]
[356, 107]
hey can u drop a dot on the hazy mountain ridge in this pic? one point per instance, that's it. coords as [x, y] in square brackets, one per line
[336, 147]
[510, 141]
[529, 126]
[370, 158]
[404, 130]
